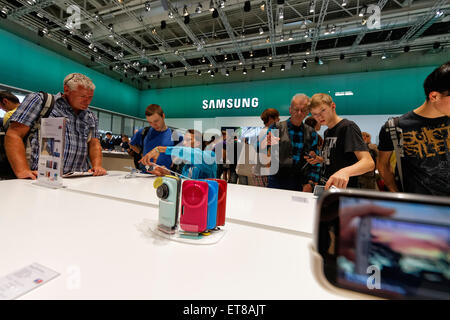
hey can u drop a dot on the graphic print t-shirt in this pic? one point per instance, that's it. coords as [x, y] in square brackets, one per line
[425, 164]
[340, 143]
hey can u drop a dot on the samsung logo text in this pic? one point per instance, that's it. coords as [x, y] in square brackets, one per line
[230, 103]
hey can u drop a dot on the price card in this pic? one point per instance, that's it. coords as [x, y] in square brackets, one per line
[24, 280]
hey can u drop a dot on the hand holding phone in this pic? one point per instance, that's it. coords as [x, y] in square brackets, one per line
[313, 158]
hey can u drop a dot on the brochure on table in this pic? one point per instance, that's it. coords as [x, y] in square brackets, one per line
[51, 154]
[24, 280]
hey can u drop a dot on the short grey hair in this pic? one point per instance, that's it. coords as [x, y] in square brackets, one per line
[74, 80]
[299, 96]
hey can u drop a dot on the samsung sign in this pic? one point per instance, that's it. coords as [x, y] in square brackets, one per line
[230, 103]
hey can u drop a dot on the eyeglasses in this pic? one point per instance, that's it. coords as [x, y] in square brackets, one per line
[302, 111]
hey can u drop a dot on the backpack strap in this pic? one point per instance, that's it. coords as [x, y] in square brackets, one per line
[395, 132]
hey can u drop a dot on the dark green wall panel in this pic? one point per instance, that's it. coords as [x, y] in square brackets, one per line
[381, 92]
[29, 66]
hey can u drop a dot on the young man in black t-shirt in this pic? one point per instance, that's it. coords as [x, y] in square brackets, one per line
[344, 153]
[426, 140]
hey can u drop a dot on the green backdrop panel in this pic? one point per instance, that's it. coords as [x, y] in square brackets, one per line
[29, 66]
[382, 92]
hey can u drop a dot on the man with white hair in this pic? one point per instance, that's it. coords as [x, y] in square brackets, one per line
[296, 140]
[81, 136]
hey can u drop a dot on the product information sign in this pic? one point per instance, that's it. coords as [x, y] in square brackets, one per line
[51, 152]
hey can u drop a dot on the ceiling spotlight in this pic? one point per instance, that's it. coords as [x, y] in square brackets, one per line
[281, 13]
[4, 13]
[244, 71]
[240, 63]
[439, 13]
[211, 6]
[312, 6]
[261, 31]
[227, 72]
[290, 36]
[91, 46]
[225, 57]
[304, 64]
[185, 11]
[199, 8]
[203, 60]
[111, 27]
[270, 57]
[262, 6]
[147, 6]
[344, 3]
[362, 12]
[65, 41]
[383, 56]
[307, 52]
[154, 31]
[88, 35]
[222, 4]
[170, 14]
[187, 19]
[212, 74]
[267, 39]
[247, 6]
[282, 38]
[251, 53]
[31, 2]
[215, 13]
[199, 72]
[282, 67]
[263, 69]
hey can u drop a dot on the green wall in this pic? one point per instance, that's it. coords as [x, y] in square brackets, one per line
[382, 92]
[28, 66]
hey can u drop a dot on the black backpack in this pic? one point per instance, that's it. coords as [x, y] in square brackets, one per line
[395, 132]
[6, 171]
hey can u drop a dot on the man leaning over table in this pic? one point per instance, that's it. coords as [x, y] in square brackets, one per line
[81, 137]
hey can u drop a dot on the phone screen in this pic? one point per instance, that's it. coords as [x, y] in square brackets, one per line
[394, 249]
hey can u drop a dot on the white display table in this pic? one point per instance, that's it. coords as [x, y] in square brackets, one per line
[94, 242]
[290, 210]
